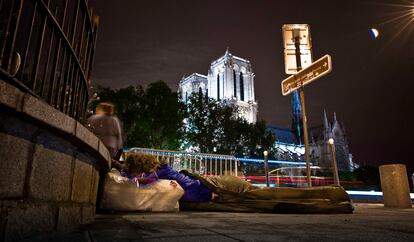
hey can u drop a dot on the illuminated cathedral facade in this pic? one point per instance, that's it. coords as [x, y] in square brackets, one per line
[229, 79]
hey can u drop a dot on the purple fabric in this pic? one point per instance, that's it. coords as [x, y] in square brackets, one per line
[194, 190]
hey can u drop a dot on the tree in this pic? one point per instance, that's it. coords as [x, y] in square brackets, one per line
[161, 121]
[215, 127]
[152, 118]
[200, 125]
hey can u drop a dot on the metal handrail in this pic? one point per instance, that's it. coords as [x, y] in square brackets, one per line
[52, 68]
[64, 37]
[208, 164]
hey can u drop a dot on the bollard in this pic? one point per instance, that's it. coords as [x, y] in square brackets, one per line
[394, 184]
[412, 179]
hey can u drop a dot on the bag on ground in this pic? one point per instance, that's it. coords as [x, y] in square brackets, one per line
[123, 194]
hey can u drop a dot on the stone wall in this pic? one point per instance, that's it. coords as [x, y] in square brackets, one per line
[50, 167]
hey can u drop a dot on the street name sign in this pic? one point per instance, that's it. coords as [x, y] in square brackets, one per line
[316, 70]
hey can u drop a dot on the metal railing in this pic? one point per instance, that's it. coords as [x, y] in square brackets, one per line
[47, 49]
[296, 176]
[200, 163]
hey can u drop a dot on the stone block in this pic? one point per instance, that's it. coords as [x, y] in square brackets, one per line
[51, 175]
[42, 111]
[68, 217]
[3, 219]
[105, 154]
[82, 178]
[94, 186]
[26, 220]
[86, 136]
[14, 126]
[14, 153]
[394, 184]
[88, 213]
[10, 96]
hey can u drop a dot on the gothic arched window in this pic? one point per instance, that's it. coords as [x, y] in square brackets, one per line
[241, 87]
[234, 84]
[218, 86]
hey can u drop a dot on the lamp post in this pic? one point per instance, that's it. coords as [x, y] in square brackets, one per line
[335, 168]
[266, 167]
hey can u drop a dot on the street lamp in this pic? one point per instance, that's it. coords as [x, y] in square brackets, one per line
[266, 167]
[335, 168]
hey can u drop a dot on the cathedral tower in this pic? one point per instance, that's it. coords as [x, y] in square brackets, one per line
[230, 79]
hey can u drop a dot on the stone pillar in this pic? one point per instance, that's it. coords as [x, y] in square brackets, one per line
[394, 183]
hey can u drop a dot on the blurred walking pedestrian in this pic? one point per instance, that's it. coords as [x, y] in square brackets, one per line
[108, 128]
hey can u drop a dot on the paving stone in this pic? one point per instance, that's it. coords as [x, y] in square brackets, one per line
[81, 182]
[50, 178]
[368, 223]
[14, 153]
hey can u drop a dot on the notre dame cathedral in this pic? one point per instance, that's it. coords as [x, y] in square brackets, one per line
[231, 79]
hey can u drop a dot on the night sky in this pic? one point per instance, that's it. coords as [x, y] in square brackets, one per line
[141, 41]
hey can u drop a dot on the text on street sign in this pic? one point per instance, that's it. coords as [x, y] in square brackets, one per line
[317, 69]
[290, 31]
[291, 67]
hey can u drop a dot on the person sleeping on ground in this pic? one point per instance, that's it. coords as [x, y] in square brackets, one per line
[231, 193]
[145, 168]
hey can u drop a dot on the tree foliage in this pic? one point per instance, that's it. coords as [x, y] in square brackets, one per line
[156, 118]
[151, 118]
[215, 127]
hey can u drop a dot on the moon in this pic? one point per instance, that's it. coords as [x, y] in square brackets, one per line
[374, 33]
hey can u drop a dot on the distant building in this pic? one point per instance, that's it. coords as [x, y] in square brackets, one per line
[192, 84]
[319, 147]
[286, 146]
[230, 79]
[289, 147]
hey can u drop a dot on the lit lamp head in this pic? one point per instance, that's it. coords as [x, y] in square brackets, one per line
[331, 141]
[265, 153]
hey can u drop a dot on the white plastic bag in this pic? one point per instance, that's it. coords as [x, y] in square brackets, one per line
[121, 194]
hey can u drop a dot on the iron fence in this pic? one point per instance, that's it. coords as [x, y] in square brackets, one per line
[47, 48]
[200, 163]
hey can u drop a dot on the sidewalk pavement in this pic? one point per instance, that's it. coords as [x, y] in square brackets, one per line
[369, 222]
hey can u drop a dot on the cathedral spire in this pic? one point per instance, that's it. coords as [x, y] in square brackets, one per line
[327, 126]
[325, 121]
[343, 126]
[334, 116]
